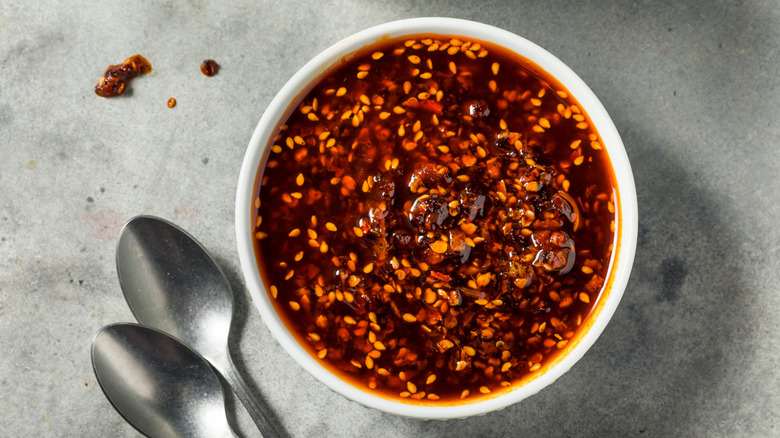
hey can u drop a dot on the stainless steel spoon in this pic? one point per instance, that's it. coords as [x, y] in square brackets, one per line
[158, 384]
[171, 283]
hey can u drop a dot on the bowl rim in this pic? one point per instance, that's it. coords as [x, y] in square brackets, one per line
[625, 236]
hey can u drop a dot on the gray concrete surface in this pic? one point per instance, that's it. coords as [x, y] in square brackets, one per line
[693, 88]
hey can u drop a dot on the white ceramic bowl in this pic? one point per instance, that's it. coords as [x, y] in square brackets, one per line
[625, 237]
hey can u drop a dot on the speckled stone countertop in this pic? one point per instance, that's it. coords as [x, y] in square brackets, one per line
[692, 87]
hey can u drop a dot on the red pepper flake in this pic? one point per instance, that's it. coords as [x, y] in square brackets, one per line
[209, 67]
[431, 106]
[442, 277]
[171, 102]
[114, 81]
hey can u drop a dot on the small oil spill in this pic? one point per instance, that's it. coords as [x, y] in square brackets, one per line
[32, 165]
[104, 225]
[187, 211]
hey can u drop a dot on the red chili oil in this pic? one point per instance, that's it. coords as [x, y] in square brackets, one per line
[116, 78]
[435, 219]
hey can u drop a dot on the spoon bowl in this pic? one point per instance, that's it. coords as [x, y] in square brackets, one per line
[173, 284]
[159, 385]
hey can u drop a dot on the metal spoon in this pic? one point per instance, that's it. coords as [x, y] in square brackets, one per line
[171, 283]
[158, 384]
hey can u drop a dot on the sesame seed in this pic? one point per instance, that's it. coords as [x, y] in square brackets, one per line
[444, 345]
[439, 247]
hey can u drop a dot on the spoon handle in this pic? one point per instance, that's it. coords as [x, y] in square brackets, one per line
[238, 385]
